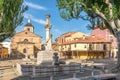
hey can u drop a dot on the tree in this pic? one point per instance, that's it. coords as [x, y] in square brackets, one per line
[103, 13]
[11, 15]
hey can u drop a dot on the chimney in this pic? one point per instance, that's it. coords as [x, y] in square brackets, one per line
[83, 37]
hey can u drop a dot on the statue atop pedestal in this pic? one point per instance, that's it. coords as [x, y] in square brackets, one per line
[48, 40]
[46, 55]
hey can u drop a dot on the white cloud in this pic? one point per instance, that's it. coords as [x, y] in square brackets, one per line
[57, 30]
[56, 33]
[40, 21]
[35, 6]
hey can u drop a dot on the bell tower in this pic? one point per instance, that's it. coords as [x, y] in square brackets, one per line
[29, 26]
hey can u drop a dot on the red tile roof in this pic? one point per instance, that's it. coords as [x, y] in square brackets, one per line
[90, 39]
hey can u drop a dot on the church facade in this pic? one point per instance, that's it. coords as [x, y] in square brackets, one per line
[26, 42]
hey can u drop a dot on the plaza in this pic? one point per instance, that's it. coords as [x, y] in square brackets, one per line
[86, 59]
[41, 40]
[8, 68]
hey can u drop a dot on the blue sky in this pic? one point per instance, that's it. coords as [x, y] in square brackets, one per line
[37, 11]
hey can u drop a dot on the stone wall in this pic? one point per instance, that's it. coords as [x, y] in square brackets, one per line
[32, 70]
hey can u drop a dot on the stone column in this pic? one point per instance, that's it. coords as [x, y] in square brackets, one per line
[48, 41]
[47, 27]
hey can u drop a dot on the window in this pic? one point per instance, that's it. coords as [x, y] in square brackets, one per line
[24, 50]
[28, 29]
[25, 32]
[25, 40]
[104, 47]
[111, 38]
[97, 46]
[69, 48]
[65, 46]
[75, 45]
[90, 47]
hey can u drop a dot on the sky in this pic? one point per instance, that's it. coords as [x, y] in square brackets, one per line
[37, 12]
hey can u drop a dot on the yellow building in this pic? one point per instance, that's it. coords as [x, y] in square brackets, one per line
[83, 47]
[69, 36]
[26, 42]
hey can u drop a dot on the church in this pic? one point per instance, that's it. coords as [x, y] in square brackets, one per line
[26, 42]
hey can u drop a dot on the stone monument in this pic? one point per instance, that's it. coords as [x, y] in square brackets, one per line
[48, 40]
[47, 54]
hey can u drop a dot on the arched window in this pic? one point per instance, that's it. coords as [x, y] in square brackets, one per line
[28, 29]
[25, 32]
[24, 50]
[25, 40]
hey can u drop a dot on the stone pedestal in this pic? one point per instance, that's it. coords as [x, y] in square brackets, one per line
[26, 57]
[44, 57]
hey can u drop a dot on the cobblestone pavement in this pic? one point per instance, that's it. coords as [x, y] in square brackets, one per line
[8, 71]
[108, 63]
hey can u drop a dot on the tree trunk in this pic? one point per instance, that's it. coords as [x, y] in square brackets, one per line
[118, 54]
[116, 29]
[116, 69]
